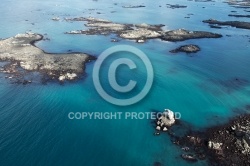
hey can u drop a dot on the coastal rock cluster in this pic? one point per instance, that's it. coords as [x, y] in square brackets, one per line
[166, 120]
[20, 52]
[228, 144]
[138, 32]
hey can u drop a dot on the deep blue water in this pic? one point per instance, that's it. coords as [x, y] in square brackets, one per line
[34, 124]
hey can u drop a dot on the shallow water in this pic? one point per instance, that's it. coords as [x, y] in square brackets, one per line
[35, 129]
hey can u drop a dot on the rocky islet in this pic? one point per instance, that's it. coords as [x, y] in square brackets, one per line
[20, 51]
[137, 32]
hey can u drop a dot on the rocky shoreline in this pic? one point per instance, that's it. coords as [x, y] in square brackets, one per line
[21, 53]
[227, 144]
[138, 32]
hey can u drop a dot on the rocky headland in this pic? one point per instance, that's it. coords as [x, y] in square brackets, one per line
[138, 32]
[237, 24]
[21, 53]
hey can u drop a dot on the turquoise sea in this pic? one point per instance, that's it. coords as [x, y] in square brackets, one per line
[34, 124]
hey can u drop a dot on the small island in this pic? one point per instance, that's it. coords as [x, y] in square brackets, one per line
[187, 49]
[239, 4]
[182, 34]
[20, 52]
[237, 24]
[138, 32]
[175, 6]
[239, 15]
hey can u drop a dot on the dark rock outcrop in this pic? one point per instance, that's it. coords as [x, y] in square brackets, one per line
[239, 15]
[175, 6]
[227, 144]
[237, 24]
[187, 49]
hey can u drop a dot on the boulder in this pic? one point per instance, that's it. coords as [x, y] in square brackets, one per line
[167, 118]
[214, 145]
[189, 157]
[61, 78]
[158, 128]
[71, 76]
[165, 129]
